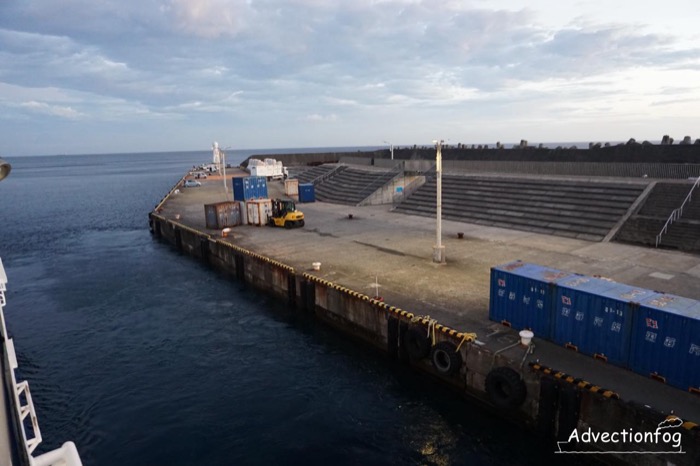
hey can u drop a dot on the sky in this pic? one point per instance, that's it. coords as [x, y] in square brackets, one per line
[106, 76]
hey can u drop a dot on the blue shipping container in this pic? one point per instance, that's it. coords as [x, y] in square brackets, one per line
[249, 187]
[242, 189]
[262, 187]
[523, 294]
[596, 315]
[666, 340]
[307, 193]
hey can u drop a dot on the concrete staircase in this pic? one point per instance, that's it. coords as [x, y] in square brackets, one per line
[314, 173]
[351, 186]
[578, 209]
[683, 234]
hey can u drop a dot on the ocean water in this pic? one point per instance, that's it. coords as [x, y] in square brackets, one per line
[142, 356]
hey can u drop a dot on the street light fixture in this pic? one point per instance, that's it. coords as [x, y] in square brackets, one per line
[438, 249]
[223, 172]
[391, 148]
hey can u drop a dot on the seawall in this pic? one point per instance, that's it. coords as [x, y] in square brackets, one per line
[622, 153]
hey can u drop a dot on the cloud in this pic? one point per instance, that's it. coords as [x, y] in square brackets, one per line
[673, 90]
[38, 59]
[418, 48]
[660, 103]
[336, 101]
[376, 62]
[316, 117]
[54, 110]
[210, 18]
[216, 70]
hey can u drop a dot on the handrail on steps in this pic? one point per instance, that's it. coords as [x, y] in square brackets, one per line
[413, 186]
[323, 177]
[394, 171]
[676, 214]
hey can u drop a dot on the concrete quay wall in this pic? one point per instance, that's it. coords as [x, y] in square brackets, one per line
[554, 403]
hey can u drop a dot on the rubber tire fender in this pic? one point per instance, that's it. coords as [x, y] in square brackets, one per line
[445, 358]
[417, 342]
[505, 388]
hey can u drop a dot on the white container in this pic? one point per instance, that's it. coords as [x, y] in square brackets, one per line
[259, 211]
[251, 208]
[316, 265]
[291, 187]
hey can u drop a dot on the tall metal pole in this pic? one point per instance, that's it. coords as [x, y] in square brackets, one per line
[222, 156]
[438, 249]
[391, 149]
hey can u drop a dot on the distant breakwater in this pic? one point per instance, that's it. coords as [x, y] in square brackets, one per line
[621, 153]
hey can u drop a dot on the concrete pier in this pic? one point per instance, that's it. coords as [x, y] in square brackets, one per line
[362, 247]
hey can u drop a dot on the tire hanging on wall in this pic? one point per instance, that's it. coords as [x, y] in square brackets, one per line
[445, 358]
[505, 388]
[417, 342]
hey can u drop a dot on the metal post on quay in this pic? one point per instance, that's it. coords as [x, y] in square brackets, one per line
[391, 149]
[438, 249]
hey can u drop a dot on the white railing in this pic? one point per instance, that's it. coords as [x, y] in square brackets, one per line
[375, 184]
[27, 409]
[23, 406]
[676, 214]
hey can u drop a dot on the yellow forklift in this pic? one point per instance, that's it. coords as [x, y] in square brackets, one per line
[285, 214]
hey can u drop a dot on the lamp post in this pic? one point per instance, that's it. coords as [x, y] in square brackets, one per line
[391, 148]
[438, 249]
[222, 158]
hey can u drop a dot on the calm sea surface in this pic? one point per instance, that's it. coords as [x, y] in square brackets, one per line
[146, 357]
